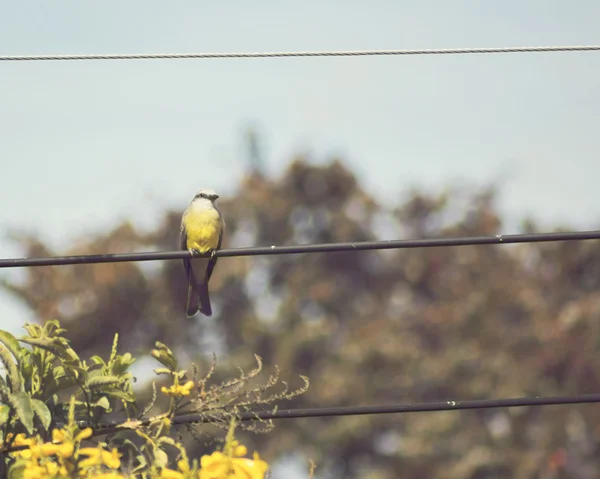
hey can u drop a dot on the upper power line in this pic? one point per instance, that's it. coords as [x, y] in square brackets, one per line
[324, 53]
[310, 248]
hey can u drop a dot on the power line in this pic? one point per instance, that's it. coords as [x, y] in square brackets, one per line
[115, 426]
[311, 248]
[404, 408]
[325, 53]
[109, 428]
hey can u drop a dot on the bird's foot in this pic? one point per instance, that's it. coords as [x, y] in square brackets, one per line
[194, 252]
[213, 253]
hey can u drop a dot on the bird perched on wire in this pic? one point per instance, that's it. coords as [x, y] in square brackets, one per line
[201, 232]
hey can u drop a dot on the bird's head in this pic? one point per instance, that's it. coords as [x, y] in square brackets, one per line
[206, 194]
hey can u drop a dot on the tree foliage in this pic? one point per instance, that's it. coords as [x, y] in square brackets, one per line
[368, 327]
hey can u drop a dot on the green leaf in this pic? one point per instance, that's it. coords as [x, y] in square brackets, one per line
[164, 355]
[4, 391]
[42, 412]
[59, 372]
[121, 440]
[127, 377]
[59, 384]
[165, 359]
[76, 370]
[98, 381]
[17, 470]
[120, 394]
[122, 363]
[12, 368]
[160, 458]
[98, 361]
[12, 344]
[52, 328]
[4, 410]
[104, 403]
[141, 459]
[50, 325]
[162, 371]
[26, 365]
[34, 330]
[167, 440]
[126, 358]
[21, 402]
[47, 344]
[71, 354]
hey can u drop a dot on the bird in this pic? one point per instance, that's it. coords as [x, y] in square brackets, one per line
[202, 228]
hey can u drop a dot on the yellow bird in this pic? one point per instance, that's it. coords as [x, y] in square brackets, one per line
[201, 232]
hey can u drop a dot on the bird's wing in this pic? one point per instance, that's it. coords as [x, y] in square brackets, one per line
[183, 244]
[212, 263]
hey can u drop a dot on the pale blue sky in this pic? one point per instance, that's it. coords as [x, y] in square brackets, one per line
[84, 144]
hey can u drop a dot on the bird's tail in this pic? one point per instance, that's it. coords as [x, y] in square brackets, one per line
[198, 300]
[204, 299]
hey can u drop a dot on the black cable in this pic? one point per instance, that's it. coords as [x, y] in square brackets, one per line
[400, 408]
[311, 248]
[109, 428]
[113, 427]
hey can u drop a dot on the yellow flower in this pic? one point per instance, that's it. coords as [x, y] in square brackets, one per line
[238, 450]
[65, 446]
[108, 475]
[84, 434]
[184, 469]
[34, 471]
[59, 435]
[220, 466]
[249, 468]
[187, 388]
[66, 450]
[178, 390]
[52, 469]
[183, 465]
[21, 440]
[49, 449]
[171, 474]
[112, 459]
[94, 457]
[215, 466]
[169, 391]
[35, 451]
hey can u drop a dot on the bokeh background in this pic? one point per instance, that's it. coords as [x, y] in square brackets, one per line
[103, 156]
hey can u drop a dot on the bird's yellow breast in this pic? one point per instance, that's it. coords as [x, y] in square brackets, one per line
[203, 228]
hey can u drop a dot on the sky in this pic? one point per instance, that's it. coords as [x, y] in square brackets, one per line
[84, 144]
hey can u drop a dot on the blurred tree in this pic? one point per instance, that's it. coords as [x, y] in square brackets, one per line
[254, 155]
[369, 327]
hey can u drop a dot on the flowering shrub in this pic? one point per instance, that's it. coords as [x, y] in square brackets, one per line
[64, 457]
[57, 414]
